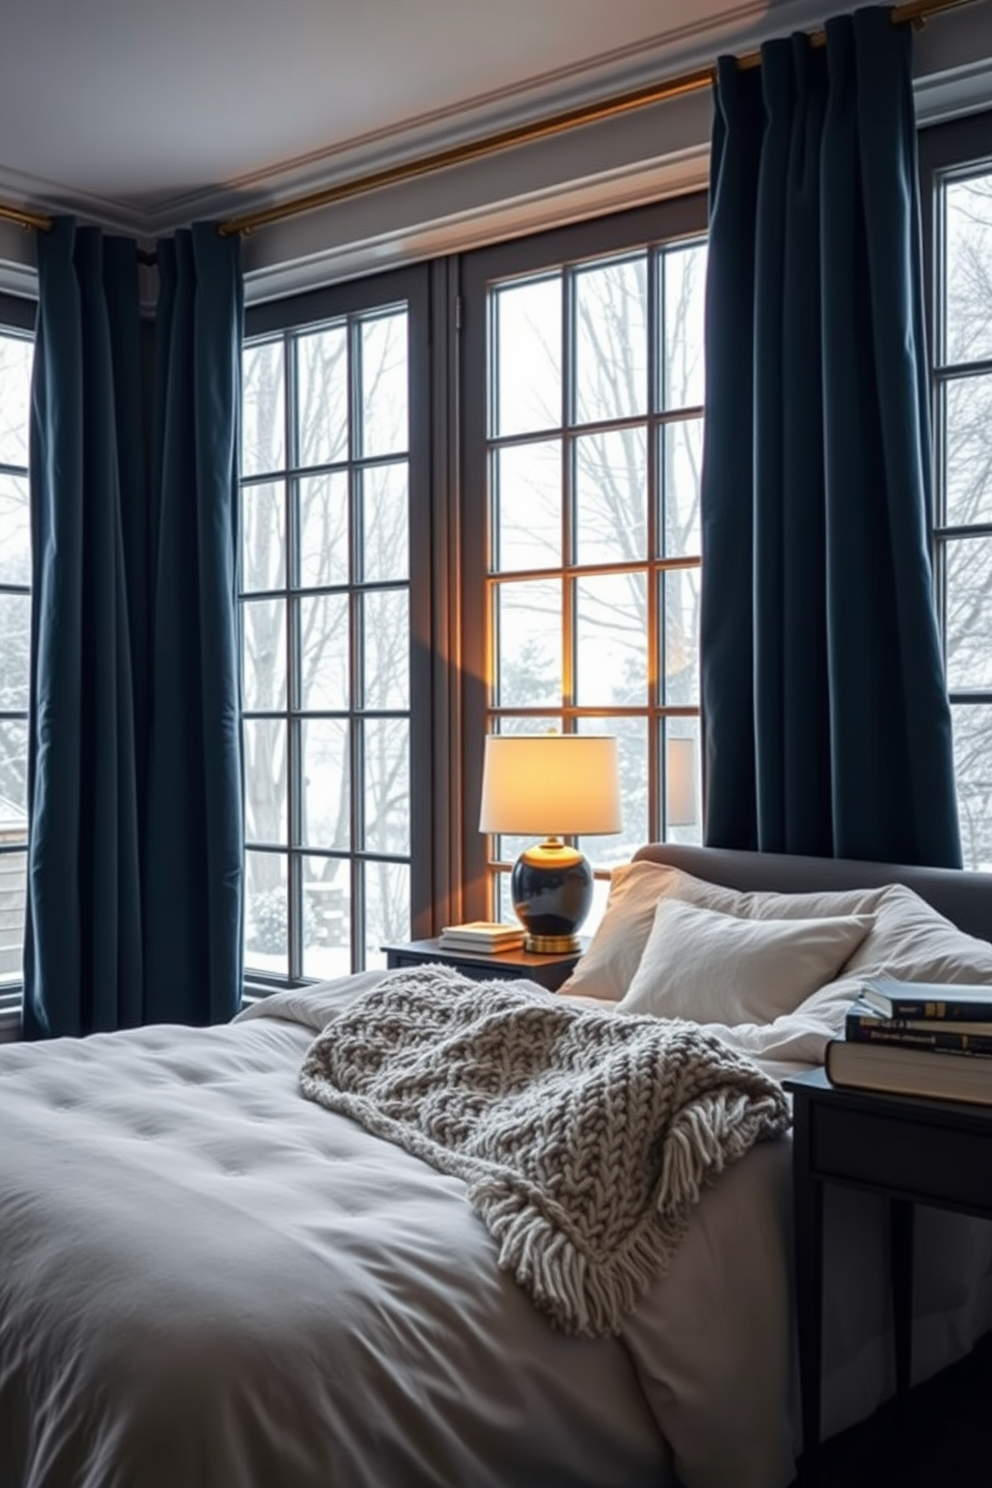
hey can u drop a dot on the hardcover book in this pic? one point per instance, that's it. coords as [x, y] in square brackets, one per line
[908, 1071]
[967, 1002]
[864, 1024]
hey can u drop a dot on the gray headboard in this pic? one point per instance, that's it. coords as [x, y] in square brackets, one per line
[959, 895]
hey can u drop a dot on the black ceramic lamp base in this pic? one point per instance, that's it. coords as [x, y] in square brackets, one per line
[551, 887]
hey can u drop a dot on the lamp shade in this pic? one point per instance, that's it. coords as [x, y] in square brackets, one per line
[550, 785]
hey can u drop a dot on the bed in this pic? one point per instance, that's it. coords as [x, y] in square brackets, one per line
[207, 1279]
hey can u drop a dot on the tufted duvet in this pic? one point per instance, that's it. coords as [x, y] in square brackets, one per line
[208, 1281]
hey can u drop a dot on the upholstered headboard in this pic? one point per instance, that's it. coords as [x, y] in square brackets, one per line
[960, 895]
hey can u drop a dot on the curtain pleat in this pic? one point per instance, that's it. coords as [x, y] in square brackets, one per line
[128, 921]
[826, 718]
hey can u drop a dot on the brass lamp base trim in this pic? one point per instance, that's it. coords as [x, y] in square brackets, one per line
[552, 945]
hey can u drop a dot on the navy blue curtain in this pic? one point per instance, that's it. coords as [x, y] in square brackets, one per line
[134, 751]
[826, 718]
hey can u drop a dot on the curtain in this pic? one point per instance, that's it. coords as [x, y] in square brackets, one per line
[134, 896]
[827, 724]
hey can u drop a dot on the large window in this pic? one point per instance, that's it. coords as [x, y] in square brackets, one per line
[16, 350]
[958, 212]
[584, 392]
[327, 628]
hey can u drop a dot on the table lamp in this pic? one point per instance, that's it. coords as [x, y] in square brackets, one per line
[552, 785]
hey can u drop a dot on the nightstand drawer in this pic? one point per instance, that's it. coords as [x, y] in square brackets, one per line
[902, 1155]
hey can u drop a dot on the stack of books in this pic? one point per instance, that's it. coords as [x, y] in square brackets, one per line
[487, 936]
[917, 1038]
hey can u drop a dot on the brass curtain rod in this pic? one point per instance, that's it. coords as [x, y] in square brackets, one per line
[915, 13]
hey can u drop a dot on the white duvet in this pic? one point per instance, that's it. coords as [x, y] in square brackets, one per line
[206, 1279]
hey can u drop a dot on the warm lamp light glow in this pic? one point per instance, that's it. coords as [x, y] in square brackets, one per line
[550, 785]
[559, 785]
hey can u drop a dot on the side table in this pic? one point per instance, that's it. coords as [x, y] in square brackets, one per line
[911, 1149]
[549, 971]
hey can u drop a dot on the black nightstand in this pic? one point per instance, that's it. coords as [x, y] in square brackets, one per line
[548, 971]
[912, 1150]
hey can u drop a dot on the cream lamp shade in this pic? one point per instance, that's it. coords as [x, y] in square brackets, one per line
[553, 785]
[550, 785]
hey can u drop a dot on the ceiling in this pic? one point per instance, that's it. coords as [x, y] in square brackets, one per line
[143, 115]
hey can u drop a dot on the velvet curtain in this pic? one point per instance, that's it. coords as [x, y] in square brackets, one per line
[827, 724]
[134, 750]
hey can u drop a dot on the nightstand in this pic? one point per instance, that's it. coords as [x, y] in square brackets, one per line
[549, 971]
[910, 1149]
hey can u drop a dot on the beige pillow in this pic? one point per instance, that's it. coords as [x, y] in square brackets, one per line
[720, 968]
[910, 940]
[607, 967]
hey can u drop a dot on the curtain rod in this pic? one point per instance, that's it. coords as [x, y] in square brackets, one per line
[915, 12]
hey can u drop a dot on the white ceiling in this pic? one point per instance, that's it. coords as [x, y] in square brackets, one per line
[142, 114]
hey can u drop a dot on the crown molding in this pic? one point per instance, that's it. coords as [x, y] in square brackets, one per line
[688, 45]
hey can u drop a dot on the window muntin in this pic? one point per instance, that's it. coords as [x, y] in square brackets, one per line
[16, 356]
[961, 335]
[325, 615]
[593, 437]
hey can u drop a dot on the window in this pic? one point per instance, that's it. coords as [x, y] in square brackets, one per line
[584, 388]
[957, 197]
[328, 628]
[16, 352]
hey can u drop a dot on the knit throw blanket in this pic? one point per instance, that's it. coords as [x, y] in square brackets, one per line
[584, 1136]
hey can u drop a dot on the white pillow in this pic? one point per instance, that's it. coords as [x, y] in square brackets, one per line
[607, 967]
[910, 940]
[720, 968]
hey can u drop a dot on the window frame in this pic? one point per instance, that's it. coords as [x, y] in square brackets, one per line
[18, 316]
[283, 318]
[678, 218]
[944, 150]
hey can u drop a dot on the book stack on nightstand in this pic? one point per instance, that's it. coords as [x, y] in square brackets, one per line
[481, 935]
[917, 1038]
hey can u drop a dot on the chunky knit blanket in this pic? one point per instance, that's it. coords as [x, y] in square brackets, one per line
[584, 1136]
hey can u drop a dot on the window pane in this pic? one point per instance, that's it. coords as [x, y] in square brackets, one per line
[632, 751]
[528, 644]
[683, 786]
[968, 284]
[527, 325]
[263, 408]
[968, 634]
[968, 450]
[266, 818]
[681, 462]
[387, 907]
[16, 356]
[679, 607]
[15, 650]
[326, 917]
[611, 342]
[387, 785]
[385, 538]
[324, 670]
[973, 768]
[266, 913]
[324, 532]
[13, 780]
[264, 626]
[611, 641]
[527, 505]
[384, 380]
[684, 300]
[326, 783]
[386, 649]
[263, 537]
[322, 396]
[13, 889]
[15, 525]
[611, 497]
